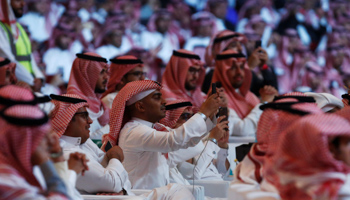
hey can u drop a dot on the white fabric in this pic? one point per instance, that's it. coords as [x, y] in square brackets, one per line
[192, 42]
[113, 178]
[344, 192]
[143, 147]
[139, 96]
[246, 126]
[96, 130]
[56, 60]
[220, 24]
[205, 169]
[326, 101]
[108, 99]
[36, 22]
[69, 177]
[171, 191]
[168, 43]
[110, 51]
[214, 189]
[240, 191]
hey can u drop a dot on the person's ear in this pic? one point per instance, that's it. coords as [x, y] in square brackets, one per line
[140, 106]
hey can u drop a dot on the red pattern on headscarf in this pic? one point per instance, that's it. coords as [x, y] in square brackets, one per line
[117, 117]
[272, 122]
[11, 67]
[15, 93]
[303, 151]
[63, 113]
[173, 115]
[174, 79]
[82, 81]
[214, 49]
[242, 103]
[17, 143]
[117, 72]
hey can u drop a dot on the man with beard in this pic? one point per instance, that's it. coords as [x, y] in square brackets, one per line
[135, 112]
[183, 78]
[15, 44]
[88, 79]
[232, 71]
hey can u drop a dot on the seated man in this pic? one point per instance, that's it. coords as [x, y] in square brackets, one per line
[203, 156]
[183, 78]
[106, 174]
[135, 112]
[123, 70]
[88, 79]
[277, 115]
[312, 159]
[67, 169]
[71, 122]
[233, 73]
[24, 144]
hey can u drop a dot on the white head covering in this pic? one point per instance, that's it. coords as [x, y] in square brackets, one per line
[326, 101]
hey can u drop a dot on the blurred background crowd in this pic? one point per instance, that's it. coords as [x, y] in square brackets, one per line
[306, 41]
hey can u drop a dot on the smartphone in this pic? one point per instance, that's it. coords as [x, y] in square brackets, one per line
[257, 44]
[223, 111]
[213, 88]
[108, 146]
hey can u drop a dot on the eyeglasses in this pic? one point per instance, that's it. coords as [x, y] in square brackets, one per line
[193, 70]
[186, 116]
[138, 74]
[84, 114]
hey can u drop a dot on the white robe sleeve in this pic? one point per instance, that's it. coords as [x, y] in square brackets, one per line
[189, 134]
[69, 177]
[182, 155]
[202, 161]
[246, 126]
[109, 179]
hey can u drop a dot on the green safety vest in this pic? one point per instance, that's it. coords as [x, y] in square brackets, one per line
[22, 49]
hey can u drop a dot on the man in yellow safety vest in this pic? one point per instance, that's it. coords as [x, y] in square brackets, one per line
[15, 44]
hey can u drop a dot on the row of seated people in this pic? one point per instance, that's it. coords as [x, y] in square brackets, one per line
[135, 111]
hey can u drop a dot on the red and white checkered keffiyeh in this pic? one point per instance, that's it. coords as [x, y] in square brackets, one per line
[63, 113]
[119, 67]
[174, 79]
[220, 42]
[82, 81]
[244, 102]
[5, 65]
[17, 143]
[345, 113]
[12, 94]
[303, 166]
[8, 17]
[117, 117]
[173, 115]
[272, 122]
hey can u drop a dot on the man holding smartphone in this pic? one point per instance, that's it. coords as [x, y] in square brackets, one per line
[231, 69]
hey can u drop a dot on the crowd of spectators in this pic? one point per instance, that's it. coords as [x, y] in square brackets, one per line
[306, 41]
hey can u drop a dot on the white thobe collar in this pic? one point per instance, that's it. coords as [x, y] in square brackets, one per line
[76, 141]
[144, 122]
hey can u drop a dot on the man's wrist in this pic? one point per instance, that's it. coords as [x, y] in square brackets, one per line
[203, 116]
[213, 140]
